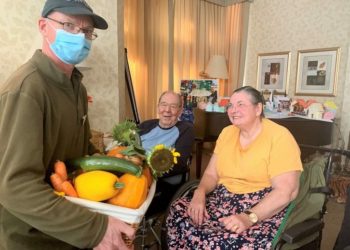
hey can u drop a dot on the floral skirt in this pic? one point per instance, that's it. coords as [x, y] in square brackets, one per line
[183, 234]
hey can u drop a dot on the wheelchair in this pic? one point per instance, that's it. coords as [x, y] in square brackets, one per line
[301, 228]
[147, 236]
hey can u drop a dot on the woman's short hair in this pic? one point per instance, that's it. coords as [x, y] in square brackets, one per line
[255, 96]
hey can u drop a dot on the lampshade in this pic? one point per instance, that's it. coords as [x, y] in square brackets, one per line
[216, 67]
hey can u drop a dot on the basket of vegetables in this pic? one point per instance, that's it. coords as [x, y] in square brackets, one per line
[120, 183]
[128, 215]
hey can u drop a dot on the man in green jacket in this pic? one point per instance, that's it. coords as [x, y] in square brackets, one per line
[43, 118]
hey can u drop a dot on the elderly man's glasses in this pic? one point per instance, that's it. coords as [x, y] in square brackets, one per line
[75, 29]
[164, 105]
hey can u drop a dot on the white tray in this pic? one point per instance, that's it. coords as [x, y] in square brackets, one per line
[128, 215]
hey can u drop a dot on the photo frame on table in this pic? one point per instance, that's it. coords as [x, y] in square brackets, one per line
[197, 91]
[317, 72]
[273, 72]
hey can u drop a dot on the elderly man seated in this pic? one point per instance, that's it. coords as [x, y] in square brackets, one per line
[171, 132]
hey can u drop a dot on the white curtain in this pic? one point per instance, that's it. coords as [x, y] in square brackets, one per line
[146, 39]
[170, 40]
[203, 29]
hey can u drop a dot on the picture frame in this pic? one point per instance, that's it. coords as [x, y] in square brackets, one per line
[197, 91]
[317, 72]
[273, 72]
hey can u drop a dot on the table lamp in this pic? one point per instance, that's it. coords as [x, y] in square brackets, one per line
[217, 68]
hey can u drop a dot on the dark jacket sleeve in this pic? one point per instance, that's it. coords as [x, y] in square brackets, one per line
[183, 145]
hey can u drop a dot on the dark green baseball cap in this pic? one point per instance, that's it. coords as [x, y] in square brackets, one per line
[74, 7]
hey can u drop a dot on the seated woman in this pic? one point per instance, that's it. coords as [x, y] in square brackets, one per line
[251, 178]
[171, 132]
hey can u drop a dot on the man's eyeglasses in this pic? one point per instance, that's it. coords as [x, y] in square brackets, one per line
[75, 29]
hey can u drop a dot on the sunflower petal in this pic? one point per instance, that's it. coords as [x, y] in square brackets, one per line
[159, 147]
[176, 154]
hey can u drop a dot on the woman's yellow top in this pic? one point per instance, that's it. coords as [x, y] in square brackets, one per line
[273, 152]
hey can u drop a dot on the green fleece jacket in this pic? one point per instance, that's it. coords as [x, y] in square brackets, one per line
[43, 118]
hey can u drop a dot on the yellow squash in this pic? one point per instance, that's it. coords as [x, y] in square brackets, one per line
[97, 185]
[134, 192]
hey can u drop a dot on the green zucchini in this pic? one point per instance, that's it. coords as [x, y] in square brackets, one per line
[105, 163]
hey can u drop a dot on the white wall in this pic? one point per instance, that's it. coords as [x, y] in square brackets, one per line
[20, 37]
[292, 25]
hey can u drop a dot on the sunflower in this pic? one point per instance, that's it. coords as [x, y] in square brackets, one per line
[162, 159]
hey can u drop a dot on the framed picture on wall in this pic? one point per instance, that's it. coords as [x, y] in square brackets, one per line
[317, 72]
[273, 72]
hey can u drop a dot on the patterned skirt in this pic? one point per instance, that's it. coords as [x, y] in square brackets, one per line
[183, 234]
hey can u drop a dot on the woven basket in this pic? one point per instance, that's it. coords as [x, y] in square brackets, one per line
[129, 242]
[97, 140]
[339, 186]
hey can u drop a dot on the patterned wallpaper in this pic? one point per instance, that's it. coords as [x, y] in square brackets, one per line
[345, 119]
[274, 25]
[20, 37]
[292, 25]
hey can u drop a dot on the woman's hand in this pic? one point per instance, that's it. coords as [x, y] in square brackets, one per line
[196, 210]
[236, 223]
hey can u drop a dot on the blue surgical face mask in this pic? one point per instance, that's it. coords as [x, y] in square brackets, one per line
[70, 48]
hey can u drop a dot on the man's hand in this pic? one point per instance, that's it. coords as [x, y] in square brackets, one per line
[113, 237]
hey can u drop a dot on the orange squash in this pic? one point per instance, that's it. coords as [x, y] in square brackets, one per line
[134, 192]
[146, 171]
[116, 151]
